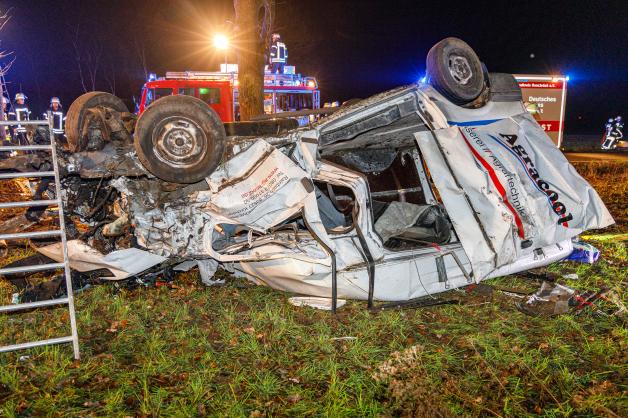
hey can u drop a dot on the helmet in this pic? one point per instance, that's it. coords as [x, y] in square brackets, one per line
[618, 119]
[4, 100]
[55, 100]
[20, 96]
[276, 36]
[610, 120]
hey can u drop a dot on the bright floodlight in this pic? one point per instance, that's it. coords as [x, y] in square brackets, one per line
[221, 41]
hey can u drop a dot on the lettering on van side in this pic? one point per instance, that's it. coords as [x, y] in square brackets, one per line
[559, 207]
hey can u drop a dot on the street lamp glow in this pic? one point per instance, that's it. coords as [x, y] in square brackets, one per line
[221, 41]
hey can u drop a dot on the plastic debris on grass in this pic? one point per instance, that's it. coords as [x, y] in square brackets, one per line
[315, 302]
[556, 299]
[551, 299]
[584, 253]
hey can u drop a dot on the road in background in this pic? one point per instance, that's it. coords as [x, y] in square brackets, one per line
[597, 156]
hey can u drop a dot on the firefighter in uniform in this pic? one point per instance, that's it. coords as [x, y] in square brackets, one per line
[58, 119]
[618, 130]
[5, 135]
[618, 127]
[614, 133]
[5, 132]
[278, 54]
[20, 112]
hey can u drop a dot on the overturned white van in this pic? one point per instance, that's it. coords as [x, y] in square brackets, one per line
[411, 192]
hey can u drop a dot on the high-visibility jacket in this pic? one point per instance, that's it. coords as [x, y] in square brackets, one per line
[278, 52]
[5, 133]
[20, 113]
[618, 130]
[58, 120]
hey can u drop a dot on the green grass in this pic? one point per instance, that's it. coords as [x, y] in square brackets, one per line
[242, 350]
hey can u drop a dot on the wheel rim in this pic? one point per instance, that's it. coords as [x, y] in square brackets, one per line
[179, 142]
[460, 69]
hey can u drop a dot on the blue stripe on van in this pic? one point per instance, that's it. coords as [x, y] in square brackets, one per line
[473, 122]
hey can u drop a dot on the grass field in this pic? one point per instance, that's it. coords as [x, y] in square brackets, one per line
[241, 350]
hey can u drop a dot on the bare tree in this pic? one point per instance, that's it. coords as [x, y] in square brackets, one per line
[93, 53]
[141, 42]
[140, 50]
[254, 19]
[87, 53]
[110, 76]
[77, 55]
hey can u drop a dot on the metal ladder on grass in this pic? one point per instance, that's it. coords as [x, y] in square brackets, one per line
[65, 265]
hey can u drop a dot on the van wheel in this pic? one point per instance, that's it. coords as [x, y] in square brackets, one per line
[76, 118]
[180, 139]
[455, 71]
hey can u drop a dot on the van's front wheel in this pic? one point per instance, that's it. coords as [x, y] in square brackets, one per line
[180, 139]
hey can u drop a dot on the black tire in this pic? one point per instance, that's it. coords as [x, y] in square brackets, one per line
[455, 71]
[76, 115]
[180, 139]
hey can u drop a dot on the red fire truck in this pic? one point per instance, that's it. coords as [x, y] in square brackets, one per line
[282, 92]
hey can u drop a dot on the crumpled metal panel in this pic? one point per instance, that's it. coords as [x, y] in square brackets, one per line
[508, 190]
[111, 161]
[259, 188]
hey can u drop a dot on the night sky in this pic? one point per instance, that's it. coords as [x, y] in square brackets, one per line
[354, 48]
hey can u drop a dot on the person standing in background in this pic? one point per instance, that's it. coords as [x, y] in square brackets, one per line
[278, 54]
[20, 112]
[58, 118]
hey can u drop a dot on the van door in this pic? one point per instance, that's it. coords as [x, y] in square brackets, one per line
[508, 190]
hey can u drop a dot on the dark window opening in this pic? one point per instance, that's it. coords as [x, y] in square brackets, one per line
[403, 213]
[187, 91]
[209, 95]
[159, 93]
[399, 182]
[335, 206]
[290, 102]
[156, 94]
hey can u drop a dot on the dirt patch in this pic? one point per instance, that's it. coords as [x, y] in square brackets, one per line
[12, 191]
[411, 392]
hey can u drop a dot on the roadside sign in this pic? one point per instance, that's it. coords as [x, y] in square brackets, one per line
[544, 97]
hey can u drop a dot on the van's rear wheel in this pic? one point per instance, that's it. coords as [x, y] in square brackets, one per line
[78, 115]
[455, 71]
[180, 139]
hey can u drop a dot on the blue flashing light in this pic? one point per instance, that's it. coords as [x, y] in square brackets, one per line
[567, 78]
[152, 77]
[423, 79]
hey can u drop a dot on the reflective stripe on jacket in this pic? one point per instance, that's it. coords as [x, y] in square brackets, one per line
[57, 121]
[278, 52]
[19, 113]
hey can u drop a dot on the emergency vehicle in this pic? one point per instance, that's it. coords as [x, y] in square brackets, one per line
[282, 92]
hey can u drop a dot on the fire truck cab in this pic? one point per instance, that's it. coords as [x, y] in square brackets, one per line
[282, 92]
